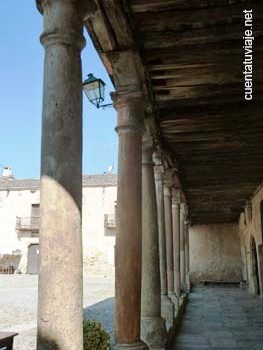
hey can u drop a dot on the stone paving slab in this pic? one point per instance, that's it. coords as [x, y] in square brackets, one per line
[18, 305]
[221, 318]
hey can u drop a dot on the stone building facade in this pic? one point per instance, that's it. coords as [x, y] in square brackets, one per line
[251, 238]
[19, 221]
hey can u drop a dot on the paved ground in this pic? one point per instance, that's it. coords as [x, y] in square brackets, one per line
[18, 305]
[215, 318]
[218, 318]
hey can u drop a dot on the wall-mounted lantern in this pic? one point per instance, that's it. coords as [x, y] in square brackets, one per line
[94, 89]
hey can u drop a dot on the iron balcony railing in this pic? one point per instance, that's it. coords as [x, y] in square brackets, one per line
[109, 221]
[27, 224]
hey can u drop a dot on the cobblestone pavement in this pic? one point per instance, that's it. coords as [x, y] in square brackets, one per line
[18, 305]
[218, 318]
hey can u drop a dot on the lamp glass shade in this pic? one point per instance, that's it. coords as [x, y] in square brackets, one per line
[94, 89]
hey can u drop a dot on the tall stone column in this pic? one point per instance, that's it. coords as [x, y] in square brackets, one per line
[60, 306]
[128, 254]
[182, 247]
[187, 256]
[167, 307]
[169, 239]
[176, 241]
[153, 329]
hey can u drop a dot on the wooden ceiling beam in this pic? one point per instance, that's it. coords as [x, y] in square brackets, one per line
[173, 40]
[165, 5]
[175, 20]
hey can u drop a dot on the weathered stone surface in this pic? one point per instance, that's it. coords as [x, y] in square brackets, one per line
[182, 247]
[153, 330]
[60, 313]
[215, 253]
[128, 256]
[169, 240]
[167, 310]
[167, 307]
[176, 243]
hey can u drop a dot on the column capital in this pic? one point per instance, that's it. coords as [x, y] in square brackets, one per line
[56, 28]
[167, 191]
[158, 166]
[147, 150]
[40, 4]
[131, 109]
[176, 197]
[183, 208]
[168, 177]
[187, 222]
[157, 158]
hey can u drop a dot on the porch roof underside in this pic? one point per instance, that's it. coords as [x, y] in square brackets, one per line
[192, 52]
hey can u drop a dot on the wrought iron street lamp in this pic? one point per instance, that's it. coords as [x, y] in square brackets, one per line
[94, 89]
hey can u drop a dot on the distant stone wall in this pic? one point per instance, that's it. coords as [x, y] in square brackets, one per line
[251, 237]
[98, 235]
[215, 253]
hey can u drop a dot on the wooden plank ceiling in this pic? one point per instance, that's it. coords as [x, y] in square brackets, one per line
[192, 52]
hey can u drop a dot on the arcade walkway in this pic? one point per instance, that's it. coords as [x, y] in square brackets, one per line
[219, 318]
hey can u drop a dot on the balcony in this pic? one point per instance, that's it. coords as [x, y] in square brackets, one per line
[27, 226]
[109, 221]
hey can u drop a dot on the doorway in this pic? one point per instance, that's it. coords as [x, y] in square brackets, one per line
[32, 259]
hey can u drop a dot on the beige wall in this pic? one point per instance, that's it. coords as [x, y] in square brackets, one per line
[215, 253]
[250, 228]
[97, 201]
[13, 204]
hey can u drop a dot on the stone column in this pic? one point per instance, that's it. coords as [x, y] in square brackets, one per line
[187, 257]
[176, 241]
[182, 247]
[169, 240]
[60, 306]
[167, 307]
[153, 329]
[128, 252]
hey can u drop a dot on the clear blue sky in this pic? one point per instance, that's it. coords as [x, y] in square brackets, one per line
[21, 67]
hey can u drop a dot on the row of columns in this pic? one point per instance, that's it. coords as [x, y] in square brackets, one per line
[152, 253]
[151, 243]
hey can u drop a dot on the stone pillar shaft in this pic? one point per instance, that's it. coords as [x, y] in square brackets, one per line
[128, 256]
[167, 307]
[60, 306]
[161, 227]
[169, 238]
[152, 325]
[176, 250]
[187, 257]
[182, 247]
[151, 291]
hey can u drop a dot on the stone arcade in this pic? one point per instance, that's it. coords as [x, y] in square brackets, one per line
[176, 69]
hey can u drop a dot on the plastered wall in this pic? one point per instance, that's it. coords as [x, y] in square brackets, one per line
[13, 204]
[215, 253]
[250, 231]
[97, 201]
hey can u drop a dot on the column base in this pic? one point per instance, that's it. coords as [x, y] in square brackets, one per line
[153, 332]
[167, 310]
[182, 299]
[175, 301]
[188, 283]
[134, 346]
